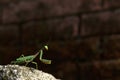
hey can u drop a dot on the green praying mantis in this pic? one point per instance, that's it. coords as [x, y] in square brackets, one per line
[29, 59]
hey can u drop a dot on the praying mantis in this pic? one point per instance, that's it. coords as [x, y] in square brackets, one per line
[29, 59]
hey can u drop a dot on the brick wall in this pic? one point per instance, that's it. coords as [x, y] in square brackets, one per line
[79, 32]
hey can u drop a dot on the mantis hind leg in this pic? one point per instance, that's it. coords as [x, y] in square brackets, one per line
[32, 63]
[26, 63]
[35, 64]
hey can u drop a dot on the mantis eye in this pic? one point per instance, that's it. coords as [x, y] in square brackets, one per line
[46, 47]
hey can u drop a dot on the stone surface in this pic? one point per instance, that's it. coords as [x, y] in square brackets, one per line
[15, 72]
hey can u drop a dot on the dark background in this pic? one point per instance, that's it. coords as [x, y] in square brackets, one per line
[83, 36]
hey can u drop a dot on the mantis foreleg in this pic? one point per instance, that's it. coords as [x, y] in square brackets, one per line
[44, 60]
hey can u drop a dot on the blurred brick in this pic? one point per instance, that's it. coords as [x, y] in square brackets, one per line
[44, 31]
[4, 1]
[85, 51]
[27, 10]
[90, 5]
[100, 70]
[8, 53]
[28, 33]
[111, 3]
[59, 29]
[8, 35]
[101, 23]
[67, 6]
[96, 70]
[64, 72]
[23, 10]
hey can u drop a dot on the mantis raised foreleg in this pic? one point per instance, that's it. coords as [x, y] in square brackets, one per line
[44, 60]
